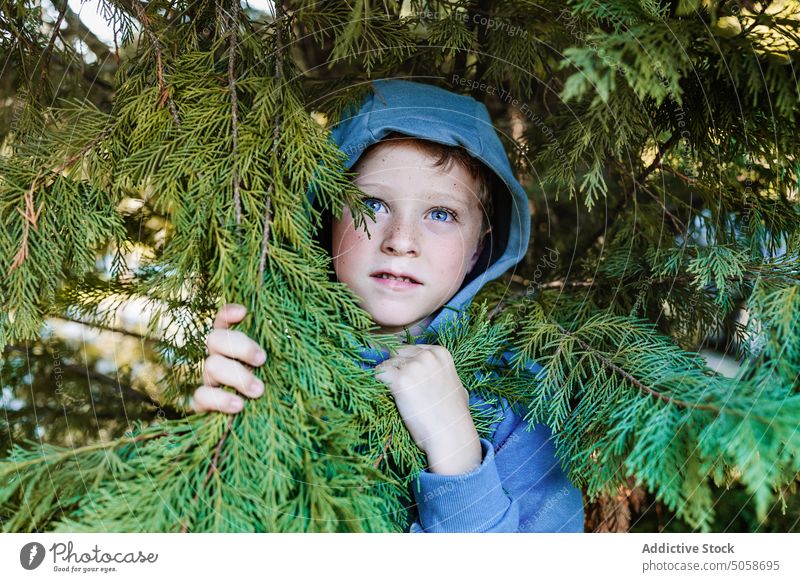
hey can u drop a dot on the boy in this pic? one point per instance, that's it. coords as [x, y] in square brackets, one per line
[433, 170]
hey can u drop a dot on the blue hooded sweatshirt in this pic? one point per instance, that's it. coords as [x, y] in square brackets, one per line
[519, 485]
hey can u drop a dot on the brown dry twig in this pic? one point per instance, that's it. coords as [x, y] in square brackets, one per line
[164, 96]
[31, 220]
[31, 215]
[385, 448]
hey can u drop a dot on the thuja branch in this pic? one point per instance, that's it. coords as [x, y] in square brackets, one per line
[60, 456]
[608, 363]
[233, 31]
[262, 261]
[31, 214]
[688, 179]
[105, 327]
[637, 180]
[211, 469]
[165, 97]
[757, 274]
[385, 448]
[550, 284]
[49, 50]
[30, 220]
[656, 163]
[233, 20]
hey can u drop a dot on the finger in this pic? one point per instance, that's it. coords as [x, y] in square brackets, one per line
[386, 370]
[237, 345]
[208, 398]
[406, 351]
[222, 370]
[229, 314]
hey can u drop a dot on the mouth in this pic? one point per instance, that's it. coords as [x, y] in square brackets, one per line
[395, 280]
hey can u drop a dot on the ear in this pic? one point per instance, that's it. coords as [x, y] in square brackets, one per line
[478, 249]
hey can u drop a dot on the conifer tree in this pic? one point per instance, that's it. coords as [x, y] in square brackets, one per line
[657, 141]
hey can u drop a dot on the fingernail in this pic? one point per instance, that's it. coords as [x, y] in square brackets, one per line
[235, 405]
[256, 388]
[260, 358]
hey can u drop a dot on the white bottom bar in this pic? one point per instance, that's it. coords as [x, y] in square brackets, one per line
[387, 557]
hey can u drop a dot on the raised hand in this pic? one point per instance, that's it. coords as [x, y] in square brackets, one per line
[434, 406]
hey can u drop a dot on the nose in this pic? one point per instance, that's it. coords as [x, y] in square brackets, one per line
[401, 238]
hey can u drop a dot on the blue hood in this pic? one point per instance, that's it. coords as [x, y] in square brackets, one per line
[435, 114]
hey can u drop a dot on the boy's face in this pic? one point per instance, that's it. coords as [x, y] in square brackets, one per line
[427, 227]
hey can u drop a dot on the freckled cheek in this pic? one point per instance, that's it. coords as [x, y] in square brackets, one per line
[450, 255]
[349, 245]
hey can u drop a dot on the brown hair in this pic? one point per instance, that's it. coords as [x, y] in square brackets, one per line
[446, 156]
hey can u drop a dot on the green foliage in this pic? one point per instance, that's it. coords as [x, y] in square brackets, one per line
[625, 401]
[657, 141]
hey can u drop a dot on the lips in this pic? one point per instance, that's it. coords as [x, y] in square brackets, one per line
[395, 276]
[395, 280]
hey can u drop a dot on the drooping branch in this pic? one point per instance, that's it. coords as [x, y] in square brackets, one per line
[262, 261]
[233, 31]
[608, 363]
[212, 468]
[656, 163]
[165, 97]
[237, 202]
[60, 456]
[687, 179]
[31, 214]
[104, 327]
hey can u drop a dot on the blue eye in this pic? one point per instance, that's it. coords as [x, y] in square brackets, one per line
[367, 202]
[441, 212]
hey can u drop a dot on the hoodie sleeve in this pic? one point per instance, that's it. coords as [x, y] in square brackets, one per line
[471, 502]
[518, 487]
